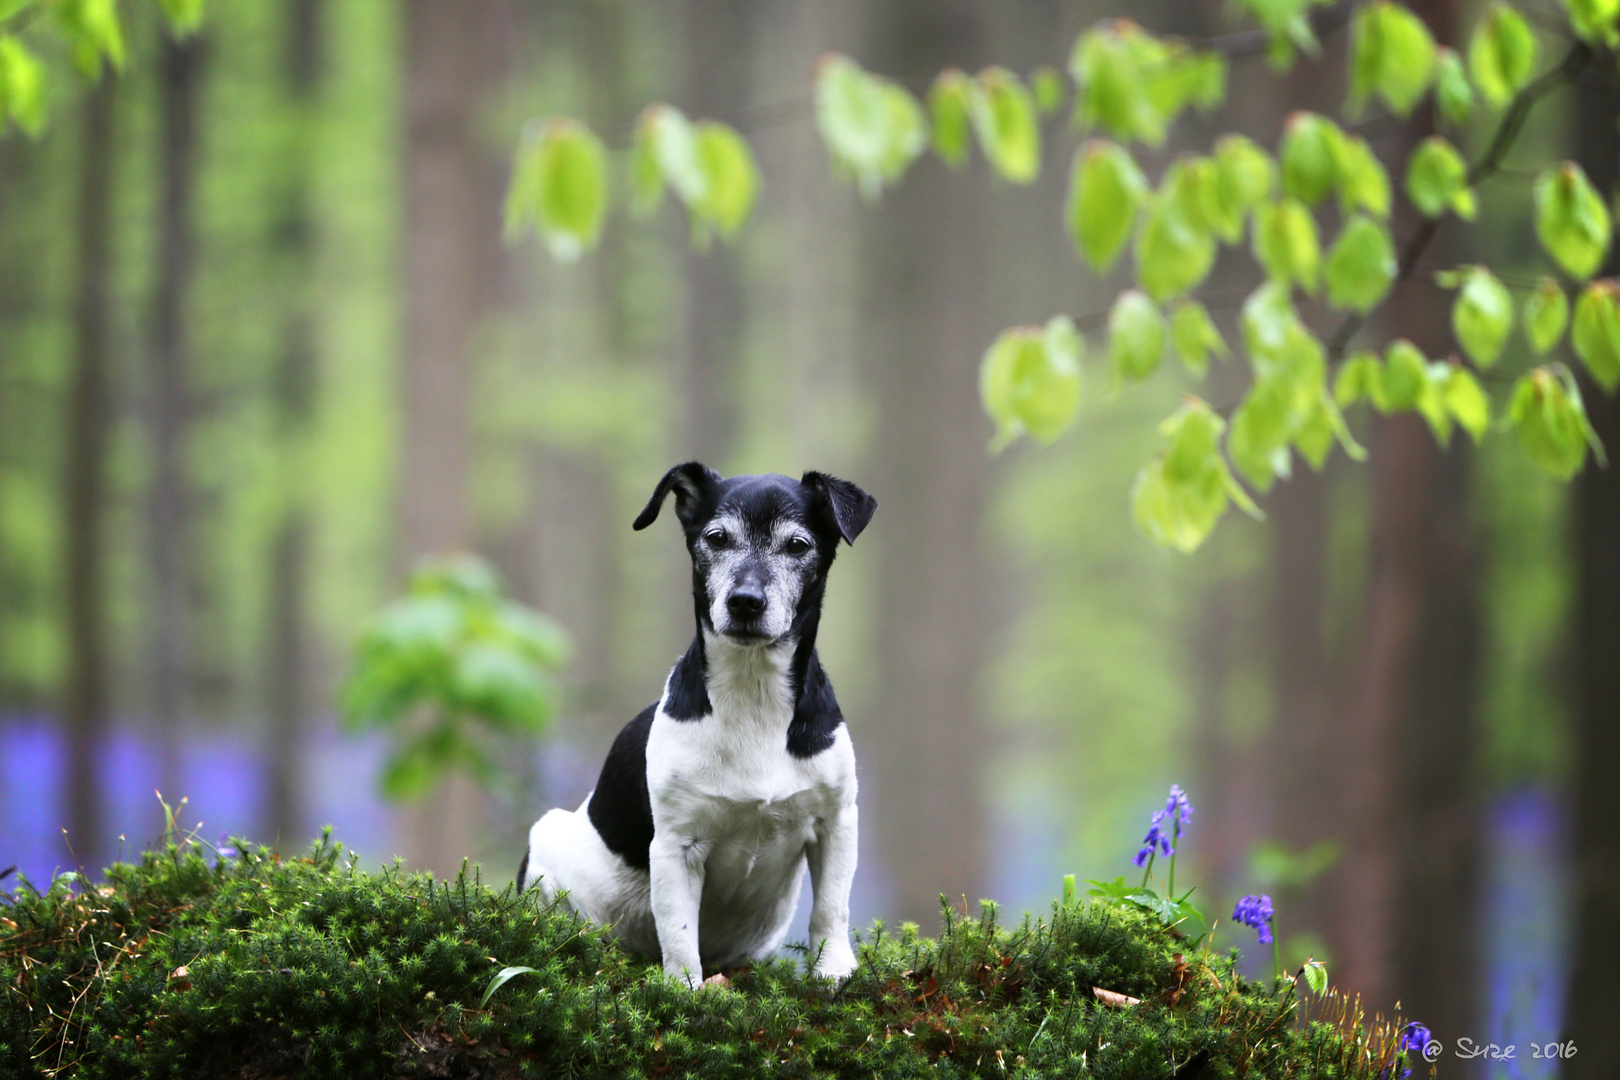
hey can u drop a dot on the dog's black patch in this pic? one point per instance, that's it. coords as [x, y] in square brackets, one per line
[620, 808]
[523, 868]
[686, 697]
[816, 715]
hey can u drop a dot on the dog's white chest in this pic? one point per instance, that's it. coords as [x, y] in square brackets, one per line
[723, 788]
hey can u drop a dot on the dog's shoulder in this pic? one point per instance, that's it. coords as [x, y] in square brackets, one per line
[620, 807]
[816, 715]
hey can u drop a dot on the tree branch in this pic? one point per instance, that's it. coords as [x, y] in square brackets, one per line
[1507, 132]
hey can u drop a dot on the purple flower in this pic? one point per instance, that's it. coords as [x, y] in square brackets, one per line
[1156, 837]
[1178, 800]
[1414, 1037]
[1255, 911]
[1161, 836]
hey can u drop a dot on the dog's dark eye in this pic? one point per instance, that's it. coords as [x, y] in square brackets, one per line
[717, 537]
[796, 545]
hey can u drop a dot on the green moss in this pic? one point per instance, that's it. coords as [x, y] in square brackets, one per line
[264, 966]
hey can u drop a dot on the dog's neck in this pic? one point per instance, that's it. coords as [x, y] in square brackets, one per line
[741, 678]
[749, 681]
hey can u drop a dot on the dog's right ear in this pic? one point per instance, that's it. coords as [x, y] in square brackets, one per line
[690, 482]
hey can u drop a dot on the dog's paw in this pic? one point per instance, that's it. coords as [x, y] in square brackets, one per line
[835, 962]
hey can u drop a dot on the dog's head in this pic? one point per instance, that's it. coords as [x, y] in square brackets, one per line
[760, 545]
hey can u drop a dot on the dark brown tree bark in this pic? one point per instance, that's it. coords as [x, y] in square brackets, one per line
[1405, 896]
[1594, 996]
[923, 276]
[179, 72]
[85, 697]
[454, 52]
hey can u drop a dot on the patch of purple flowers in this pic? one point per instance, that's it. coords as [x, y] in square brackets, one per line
[1414, 1037]
[1256, 911]
[1178, 811]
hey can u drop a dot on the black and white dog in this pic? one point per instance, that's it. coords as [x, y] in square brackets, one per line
[712, 801]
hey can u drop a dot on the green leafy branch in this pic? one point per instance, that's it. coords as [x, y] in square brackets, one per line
[93, 34]
[1130, 87]
[448, 671]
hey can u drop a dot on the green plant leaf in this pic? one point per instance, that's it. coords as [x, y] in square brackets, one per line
[1596, 333]
[559, 186]
[1482, 315]
[1467, 402]
[1286, 244]
[1245, 175]
[1392, 55]
[1174, 249]
[1071, 891]
[1004, 118]
[1106, 190]
[1271, 326]
[1594, 20]
[1546, 315]
[1193, 335]
[950, 100]
[1452, 89]
[1029, 381]
[1135, 336]
[1360, 265]
[184, 15]
[1288, 27]
[1548, 417]
[1133, 85]
[502, 977]
[22, 86]
[1263, 425]
[1316, 977]
[1047, 87]
[1437, 180]
[1501, 54]
[1183, 492]
[730, 182]
[1363, 181]
[1432, 404]
[1359, 379]
[1311, 153]
[873, 128]
[1401, 383]
[1571, 219]
[93, 30]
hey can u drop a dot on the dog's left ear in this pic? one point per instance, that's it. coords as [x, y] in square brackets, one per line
[689, 482]
[850, 507]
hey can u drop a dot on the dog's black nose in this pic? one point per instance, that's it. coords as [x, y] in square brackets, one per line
[746, 601]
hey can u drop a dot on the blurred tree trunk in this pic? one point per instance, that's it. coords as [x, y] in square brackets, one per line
[288, 655]
[179, 70]
[1407, 889]
[922, 280]
[451, 235]
[85, 698]
[718, 42]
[1593, 1000]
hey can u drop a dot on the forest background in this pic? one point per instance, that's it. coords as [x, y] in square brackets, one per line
[263, 349]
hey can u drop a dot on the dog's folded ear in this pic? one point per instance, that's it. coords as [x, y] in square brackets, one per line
[690, 482]
[850, 507]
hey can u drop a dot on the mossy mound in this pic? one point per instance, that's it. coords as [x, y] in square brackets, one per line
[262, 966]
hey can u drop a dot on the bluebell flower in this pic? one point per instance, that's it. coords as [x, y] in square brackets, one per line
[1414, 1037]
[1255, 911]
[1178, 799]
[1156, 837]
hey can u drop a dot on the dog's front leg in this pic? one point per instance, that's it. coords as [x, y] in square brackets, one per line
[677, 864]
[832, 871]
